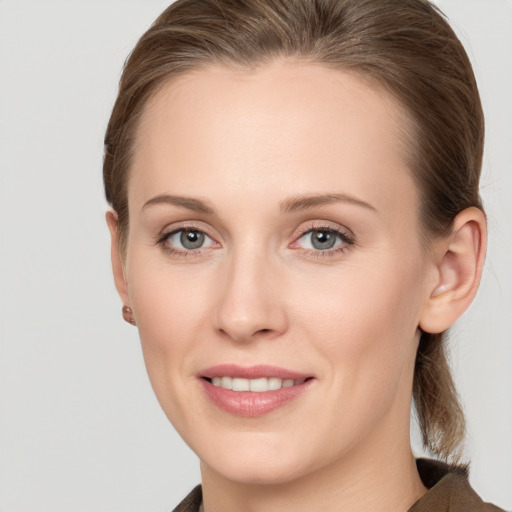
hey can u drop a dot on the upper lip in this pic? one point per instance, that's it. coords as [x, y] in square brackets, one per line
[251, 372]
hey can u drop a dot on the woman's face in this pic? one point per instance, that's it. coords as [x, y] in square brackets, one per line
[274, 246]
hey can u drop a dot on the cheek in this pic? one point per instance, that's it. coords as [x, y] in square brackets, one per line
[167, 299]
[170, 308]
[365, 324]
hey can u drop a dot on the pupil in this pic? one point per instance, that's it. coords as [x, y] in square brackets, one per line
[192, 239]
[323, 240]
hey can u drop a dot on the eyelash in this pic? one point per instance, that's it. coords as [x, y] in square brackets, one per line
[182, 253]
[346, 239]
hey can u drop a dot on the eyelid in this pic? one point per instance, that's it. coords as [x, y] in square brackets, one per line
[161, 240]
[326, 225]
[346, 236]
[192, 225]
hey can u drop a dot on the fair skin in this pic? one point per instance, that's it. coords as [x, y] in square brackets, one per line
[335, 289]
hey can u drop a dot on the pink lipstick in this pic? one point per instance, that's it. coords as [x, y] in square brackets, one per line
[252, 391]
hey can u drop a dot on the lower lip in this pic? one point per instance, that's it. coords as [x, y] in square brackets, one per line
[250, 403]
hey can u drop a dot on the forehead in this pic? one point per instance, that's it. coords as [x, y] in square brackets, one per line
[316, 126]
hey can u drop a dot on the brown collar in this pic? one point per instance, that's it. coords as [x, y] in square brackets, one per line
[449, 490]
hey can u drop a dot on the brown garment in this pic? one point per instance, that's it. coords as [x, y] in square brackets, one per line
[192, 502]
[449, 491]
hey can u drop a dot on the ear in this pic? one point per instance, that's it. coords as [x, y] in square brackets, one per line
[458, 261]
[115, 255]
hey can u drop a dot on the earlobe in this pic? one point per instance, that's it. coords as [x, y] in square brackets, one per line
[116, 257]
[458, 261]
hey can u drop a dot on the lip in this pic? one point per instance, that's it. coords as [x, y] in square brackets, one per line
[251, 372]
[252, 404]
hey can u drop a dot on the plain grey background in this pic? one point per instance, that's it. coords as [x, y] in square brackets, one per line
[80, 429]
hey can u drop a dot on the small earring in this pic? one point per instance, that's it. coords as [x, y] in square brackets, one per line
[128, 315]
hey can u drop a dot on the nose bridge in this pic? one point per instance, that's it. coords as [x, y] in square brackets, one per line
[249, 302]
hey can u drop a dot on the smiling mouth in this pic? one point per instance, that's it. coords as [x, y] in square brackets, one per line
[259, 385]
[255, 390]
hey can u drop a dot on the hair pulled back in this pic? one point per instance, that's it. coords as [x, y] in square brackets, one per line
[405, 46]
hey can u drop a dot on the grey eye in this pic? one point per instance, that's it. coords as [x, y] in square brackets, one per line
[192, 239]
[323, 239]
[189, 240]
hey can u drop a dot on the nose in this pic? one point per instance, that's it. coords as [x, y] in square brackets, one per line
[251, 299]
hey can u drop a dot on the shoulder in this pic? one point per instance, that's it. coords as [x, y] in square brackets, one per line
[449, 490]
[192, 501]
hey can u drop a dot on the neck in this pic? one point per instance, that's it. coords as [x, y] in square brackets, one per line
[380, 476]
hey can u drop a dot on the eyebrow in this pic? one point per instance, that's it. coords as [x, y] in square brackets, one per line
[304, 202]
[191, 203]
[290, 205]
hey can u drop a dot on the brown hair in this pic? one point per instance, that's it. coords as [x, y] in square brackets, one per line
[404, 45]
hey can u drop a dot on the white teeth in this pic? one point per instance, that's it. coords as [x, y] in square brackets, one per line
[226, 382]
[240, 384]
[274, 383]
[257, 385]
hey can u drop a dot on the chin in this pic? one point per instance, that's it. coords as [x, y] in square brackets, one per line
[256, 460]
[262, 472]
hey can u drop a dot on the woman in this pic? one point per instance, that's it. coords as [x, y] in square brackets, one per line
[295, 222]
